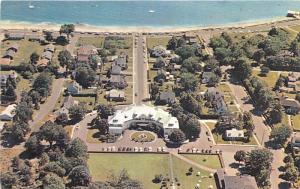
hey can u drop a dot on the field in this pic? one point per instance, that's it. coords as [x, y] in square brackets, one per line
[146, 166]
[296, 122]
[96, 41]
[26, 48]
[297, 28]
[211, 161]
[154, 41]
[270, 79]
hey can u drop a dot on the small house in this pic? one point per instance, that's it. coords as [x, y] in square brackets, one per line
[9, 54]
[36, 37]
[291, 106]
[112, 58]
[15, 36]
[117, 81]
[215, 97]
[47, 55]
[50, 48]
[9, 113]
[13, 47]
[234, 134]
[3, 78]
[161, 75]
[116, 70]
[167, 97]
[296, 140]
[85, 52]
[159, 50]
[121, 61]
[115, 95]
[74, 88]
[205, 77]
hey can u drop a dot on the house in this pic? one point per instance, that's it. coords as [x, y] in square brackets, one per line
[159, 50]
[9, 113]
[42, 63]
[115, 95]
[50, 48]
[13, 47]
[85, 52]
[225, 181]
[47, 55]
[116, 70]
[15, 36]
[4, 61]
[3, 78]
[74, 88]
[234, 134]
[161, 75]
[291, 106]
[167, 97]
[9, 54]
[216, 99]
[121, 61]
[36, 37]
[67, 104]
[296, 140]
[117, 81]
[112, 58]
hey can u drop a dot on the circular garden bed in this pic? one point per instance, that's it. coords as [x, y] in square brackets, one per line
[142, 136]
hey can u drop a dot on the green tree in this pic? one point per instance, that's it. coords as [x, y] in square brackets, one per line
[76, 148]
[177, 136]
[85, 76]
[218, 42]
[19, 130]
[62, 119]
[23, 112]
[186, 51]
[189, 82]
[76, 113]
[172, 43]
[67, 29]
[154, 90]
[53, 167]
[105, 110]
[8, 180]
[52, 181]
[159, 63]
[190, 126]
[242, 69]
[65, 59]
[190, 104]
[192, 64]
[44, 159]
[52, 132]
[34, 57]
[33, 145]
[240, 156]
[264, 70]
[80, 176]
[280, 134]
[258, 55]
[42, 84]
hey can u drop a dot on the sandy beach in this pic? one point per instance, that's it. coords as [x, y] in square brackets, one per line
[8, 25]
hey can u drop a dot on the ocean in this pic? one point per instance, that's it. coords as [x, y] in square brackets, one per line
[145, 13]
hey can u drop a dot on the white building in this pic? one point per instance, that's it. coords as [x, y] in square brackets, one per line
[234, 134]
[142, 114]
[9, 113]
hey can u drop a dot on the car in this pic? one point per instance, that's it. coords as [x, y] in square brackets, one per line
[135, 94]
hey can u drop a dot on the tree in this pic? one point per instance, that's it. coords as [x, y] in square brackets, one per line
[33, 144]
[62, 119]
[122, 181]
[42, 84]
[154, 90]
[159, 63]
[172, 43]
[280, 134]
[258, 164]
[52, 181]
[53, 167]
[177, 136]
[67, 29]
[19, 130]
[188, 81]
[8, 180]
[213, 80]
[102, 125]
[44, 159]
[258, 55]
[65, 58]
[275, 113]
[297, 97]
[10, 93]
[190, 104]
[218, 42]
[52, 132]
[80, 176]
[242, 69]
[105, 110]
[181, 42]
[85, 76]
[76, 148]
[186, 51]
[158, 178]
[190, 126]
[34, 57]
[291, 173]
[240, 156]
[76, 113]
[23, 112]
[192, 64]
[264, 70]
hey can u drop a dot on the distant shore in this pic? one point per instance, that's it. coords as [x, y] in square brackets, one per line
[15, 25]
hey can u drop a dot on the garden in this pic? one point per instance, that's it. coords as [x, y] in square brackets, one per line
[142, 136]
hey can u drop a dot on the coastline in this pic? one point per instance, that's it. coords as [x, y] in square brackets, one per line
[18, 25]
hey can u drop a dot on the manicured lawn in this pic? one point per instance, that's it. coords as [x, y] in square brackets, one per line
[211, 161]
[96, 41]
[92, 136]
[154, 41]
[26, 48]
[141, 136]
[88, 102]
[142, 167]
[296, 122]
[270, 79]
[189, 182]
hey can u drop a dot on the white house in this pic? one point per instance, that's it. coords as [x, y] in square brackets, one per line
[234, 134]
[142, 114]
[9, 113]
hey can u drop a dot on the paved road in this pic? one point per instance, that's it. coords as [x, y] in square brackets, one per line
[140, 86]
[48, 106]
[262, 132]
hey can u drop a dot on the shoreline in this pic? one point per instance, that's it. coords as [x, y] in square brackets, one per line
[18, 25]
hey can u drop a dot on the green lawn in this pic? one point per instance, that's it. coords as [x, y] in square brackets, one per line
[26, 48]
[96, 41]
[297, 28]
[296, 122]
[144, 167]
[189, 182]
[211, 161]
[154, 41]
[88, 102]
[92, 136]
[270, 79]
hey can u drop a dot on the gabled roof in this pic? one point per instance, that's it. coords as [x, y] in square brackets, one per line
[290, 103]
[168, 95]
[49, 47]
[14, 46]
[240, 182]
[117, 79]
[116, 70]
[116, 93]
[47, 55]
[9, 53]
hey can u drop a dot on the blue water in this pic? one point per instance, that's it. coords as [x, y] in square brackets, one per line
[136, 13]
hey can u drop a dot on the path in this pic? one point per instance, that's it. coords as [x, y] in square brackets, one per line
[172, 172]
[140, 86]
[48, 106]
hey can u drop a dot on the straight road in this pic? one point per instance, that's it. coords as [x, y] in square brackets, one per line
[140, 86]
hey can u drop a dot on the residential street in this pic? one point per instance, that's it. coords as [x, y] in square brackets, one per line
[140, 87]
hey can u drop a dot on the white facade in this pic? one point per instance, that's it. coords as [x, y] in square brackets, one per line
[234, 133]
[121, 119]
[9, 113]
